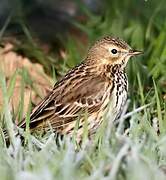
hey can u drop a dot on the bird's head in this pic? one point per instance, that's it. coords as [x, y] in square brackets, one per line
[111, 51]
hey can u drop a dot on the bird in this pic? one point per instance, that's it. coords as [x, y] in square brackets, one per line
[96, 86]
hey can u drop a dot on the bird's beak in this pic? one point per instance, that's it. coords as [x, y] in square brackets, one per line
[135, 52]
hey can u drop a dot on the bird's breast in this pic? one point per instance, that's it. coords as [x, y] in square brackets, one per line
[118, 96]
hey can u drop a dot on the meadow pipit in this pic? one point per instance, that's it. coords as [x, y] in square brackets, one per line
[90, 87]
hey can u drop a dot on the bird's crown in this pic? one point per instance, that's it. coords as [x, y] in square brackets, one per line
[114, 41]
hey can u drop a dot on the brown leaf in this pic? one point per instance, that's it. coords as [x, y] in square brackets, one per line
[10, 62]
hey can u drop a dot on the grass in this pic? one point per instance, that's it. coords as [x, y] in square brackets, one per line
[136, 148]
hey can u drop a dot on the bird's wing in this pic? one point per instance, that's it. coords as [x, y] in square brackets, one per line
[74, 94]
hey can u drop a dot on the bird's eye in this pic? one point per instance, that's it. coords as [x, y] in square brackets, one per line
[114, 51]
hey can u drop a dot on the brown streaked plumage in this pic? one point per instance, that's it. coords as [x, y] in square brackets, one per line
[90, 87]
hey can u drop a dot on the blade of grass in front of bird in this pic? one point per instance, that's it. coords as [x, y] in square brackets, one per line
[27, 120]
[75, 133]
[159, 113]
[6, 110]
[21, 100]
[85, 128]
[11, 85]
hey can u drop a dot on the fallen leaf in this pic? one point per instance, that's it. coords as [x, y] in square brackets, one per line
[38, 85]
